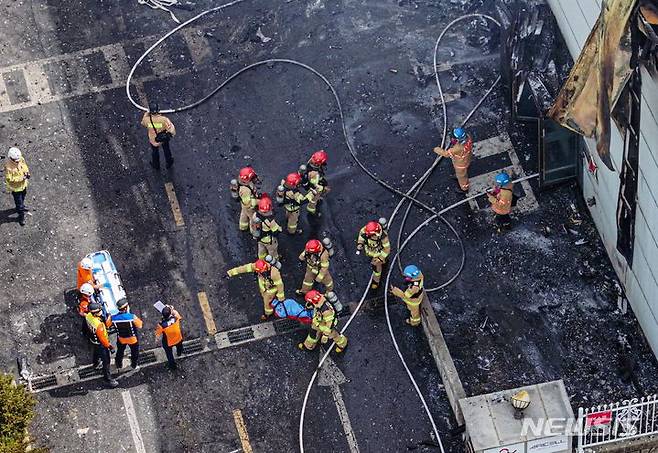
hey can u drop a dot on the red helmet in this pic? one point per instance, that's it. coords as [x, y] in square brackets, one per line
[261, 266]
[293, 180]
[313, 297]
[319, 158]
[247, 174]
[265, 204]
[373, 228]
[313, 246]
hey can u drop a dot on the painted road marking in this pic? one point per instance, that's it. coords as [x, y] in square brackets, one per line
[173, 202]
[242, 431]
[136, 432]
[4, 96]
[207, 313]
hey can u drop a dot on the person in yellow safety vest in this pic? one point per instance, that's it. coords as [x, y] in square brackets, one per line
[292, 201]
[160, 130]
[248, 195]
[317, 183]
[266, 229]
[461, 152]
[501, 198]
[270, 283]
[317, 267]
[17, 175]
[323, 326]
[101, 342]
[413, 295]
[375, 240]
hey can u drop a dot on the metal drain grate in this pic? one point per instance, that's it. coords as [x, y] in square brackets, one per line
[286, 325]
[192, 346]
[236, 336]
[88, 371]
[147, 357]
[43, 382]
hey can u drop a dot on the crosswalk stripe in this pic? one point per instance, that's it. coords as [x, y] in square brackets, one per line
[117, 63]
[4, 96]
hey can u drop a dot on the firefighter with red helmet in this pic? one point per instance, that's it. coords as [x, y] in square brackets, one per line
[248, 196]
[460, 152]
[323, 326]
[291, 197]
[317, 267]
[265, 228]
[316, 181]
[374, 239]
[270, 283]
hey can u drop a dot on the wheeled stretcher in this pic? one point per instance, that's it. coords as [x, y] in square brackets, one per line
[111, 289]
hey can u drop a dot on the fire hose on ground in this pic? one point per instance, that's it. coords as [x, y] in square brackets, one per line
[408, 196]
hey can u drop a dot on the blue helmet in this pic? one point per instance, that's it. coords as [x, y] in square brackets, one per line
[411, 271]
[502, 178]
[459, 133]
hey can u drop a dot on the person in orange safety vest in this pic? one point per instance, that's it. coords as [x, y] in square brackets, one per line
[126, 325]
[172, 336]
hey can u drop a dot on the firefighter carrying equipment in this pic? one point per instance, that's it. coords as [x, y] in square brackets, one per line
[291, 309]
[170, 327]
[17, 174]
[460, 151]
[502, 178]
[156, 124]
[317, 184]
[316, 258]
[248, 196]
[266, 229]
[413, 295]
[501, 199]
[377, 246]
[270, 284]
[292, 200]
[323, 324]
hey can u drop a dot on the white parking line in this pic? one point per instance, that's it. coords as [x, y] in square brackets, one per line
[136, 432]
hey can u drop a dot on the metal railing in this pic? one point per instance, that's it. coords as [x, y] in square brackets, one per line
[616, 423]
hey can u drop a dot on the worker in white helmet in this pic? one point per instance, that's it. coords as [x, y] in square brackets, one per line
[17, 175]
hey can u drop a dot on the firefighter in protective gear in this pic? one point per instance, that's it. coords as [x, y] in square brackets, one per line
[100, 341]
[323, 326]
[460, 152]
[270, 283]
[156, 123]
[17, 175]
[316, 181]
[413, 295]
[375, 240]
[248, 195]
[292, 201]
[501, 197]
[126, 325]
[317, 267]
[265, 228]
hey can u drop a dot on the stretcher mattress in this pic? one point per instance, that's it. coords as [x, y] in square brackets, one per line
[111, 288]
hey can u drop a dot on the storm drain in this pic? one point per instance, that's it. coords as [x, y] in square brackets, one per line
[43, 382]
[285, 325]
[192, 346]
[236, 336]
[147, 357]
[88, 371]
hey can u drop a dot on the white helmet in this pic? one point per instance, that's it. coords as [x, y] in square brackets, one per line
[86, 263]
[87, 289]
[14, 154]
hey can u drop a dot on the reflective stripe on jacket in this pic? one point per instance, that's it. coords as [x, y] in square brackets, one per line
[271, 284]
[292, 200]
[126, 325]
[15, 173]
[247, 196]
[501, 203]
[376, 247]
[97, 330]
[324, 318]
[460, 153]
[161, 123]
[413, 295]
[316, 263]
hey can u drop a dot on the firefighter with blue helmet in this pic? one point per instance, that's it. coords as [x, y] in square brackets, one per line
[413, 295]
[460, 151]
[501, 197]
